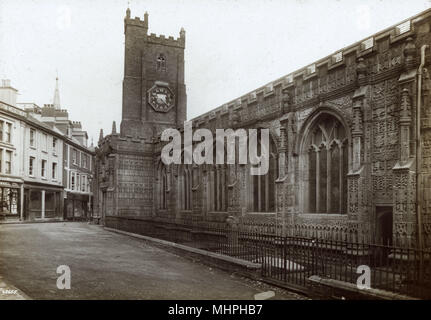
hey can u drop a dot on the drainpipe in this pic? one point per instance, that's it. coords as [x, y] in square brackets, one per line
[418, 158]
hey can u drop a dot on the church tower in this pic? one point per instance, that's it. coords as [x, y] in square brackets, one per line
[154, 93]
[154, 98]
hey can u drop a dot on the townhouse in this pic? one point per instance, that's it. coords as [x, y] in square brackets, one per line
[45, 163]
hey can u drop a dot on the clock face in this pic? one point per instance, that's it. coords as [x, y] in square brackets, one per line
[161, 98]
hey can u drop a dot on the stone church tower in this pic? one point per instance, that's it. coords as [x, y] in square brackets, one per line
[154, 98]
[154, 93]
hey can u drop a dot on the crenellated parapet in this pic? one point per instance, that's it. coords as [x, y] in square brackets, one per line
[371, 60]
[167, 41]
[116, 143]
[142, 26]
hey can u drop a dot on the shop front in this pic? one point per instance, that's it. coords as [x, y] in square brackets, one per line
[10, 200]
[76, 206]
[41, 202]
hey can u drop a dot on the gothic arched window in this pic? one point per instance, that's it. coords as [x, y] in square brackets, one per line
[186, 188]
[218, 181]
[163, 187]
[325, 154]
[219, 187]
[263, 186]
[161, 62]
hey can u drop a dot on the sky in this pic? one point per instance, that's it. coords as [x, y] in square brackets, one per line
[232, 47]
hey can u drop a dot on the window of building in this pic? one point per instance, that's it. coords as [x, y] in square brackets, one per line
[74, 156]
[78, 181]
[218, 176]
[218, 183]
[326, 159]
[8, 162]
[32, 137]
[1, 160]
[186, 188]
[263, 186]
[10, 200]
[72, 180]
[54, 145]
[54, 171]
[161, 62]
[8, 132]
[43, 169]
[44, 142]
[163, 188]
[5, 131]
[84, 160]
[31, 166]
[35, 203]
[83, 183]
[51, 204]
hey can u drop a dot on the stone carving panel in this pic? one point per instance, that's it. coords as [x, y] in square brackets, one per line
[385, 146]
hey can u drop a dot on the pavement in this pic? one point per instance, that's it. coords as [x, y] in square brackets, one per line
[107, 265]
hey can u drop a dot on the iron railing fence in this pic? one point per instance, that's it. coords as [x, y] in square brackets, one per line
[293, 259]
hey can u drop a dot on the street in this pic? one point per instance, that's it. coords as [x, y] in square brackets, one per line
[106, 265]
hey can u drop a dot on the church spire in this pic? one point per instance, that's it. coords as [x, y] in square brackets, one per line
[56, 101]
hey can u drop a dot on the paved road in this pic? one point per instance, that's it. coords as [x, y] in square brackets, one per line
[106, 265]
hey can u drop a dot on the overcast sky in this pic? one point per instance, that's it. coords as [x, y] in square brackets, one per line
[232, 47]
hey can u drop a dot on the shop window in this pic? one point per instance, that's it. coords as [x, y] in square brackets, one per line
[9, 201]
[35, 203]
[50, 204]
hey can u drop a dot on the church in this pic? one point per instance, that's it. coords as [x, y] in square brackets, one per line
[349, 151]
